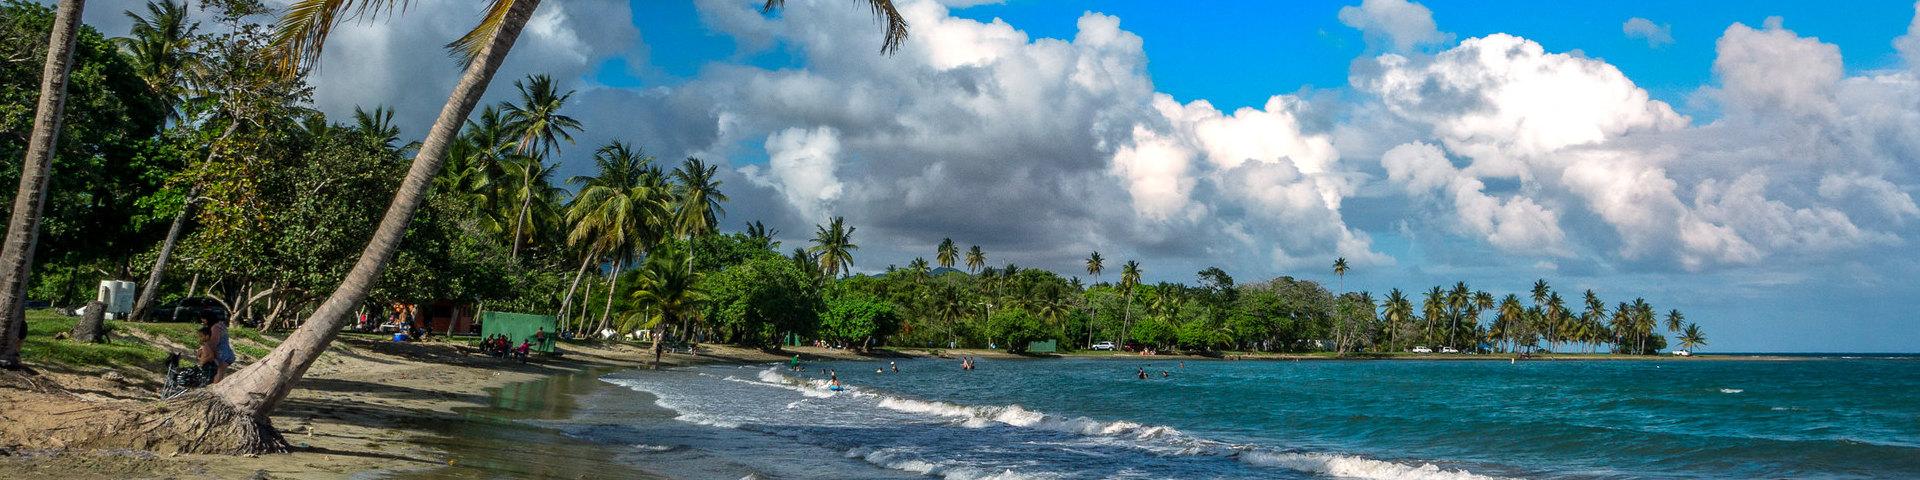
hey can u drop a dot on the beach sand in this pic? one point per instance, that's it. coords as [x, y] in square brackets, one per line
[366, 409]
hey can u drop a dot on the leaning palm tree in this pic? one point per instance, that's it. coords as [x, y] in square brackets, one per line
[833, 246]
[23, 227]
[1129, 278]
[232, 416]
[976, 259]
[540, 127]
[946, 253]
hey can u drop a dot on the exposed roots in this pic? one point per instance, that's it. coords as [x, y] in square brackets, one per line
[198, 422]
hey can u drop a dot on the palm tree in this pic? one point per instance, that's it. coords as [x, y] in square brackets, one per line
[1691, 337]
[1540, 291]
[616, 211]
[699, 210]
[951, 307]
[541, 127]
[1596, 313]
[833, 245]
[160, 47]
[1129, 278]
[1095, 265]
[1398, 312]
[976, 259]
[23, 228]
[1434, 308]
[1556, 317]
[761, 234]
[667, 293]
[1459, 300]
[947, 253]
[1674, 320]
[1340, 269]
[1512, 315]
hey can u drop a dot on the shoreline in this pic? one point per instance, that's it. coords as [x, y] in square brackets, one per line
[374, 409]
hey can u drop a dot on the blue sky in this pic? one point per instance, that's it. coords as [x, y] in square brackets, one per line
[1752, 164]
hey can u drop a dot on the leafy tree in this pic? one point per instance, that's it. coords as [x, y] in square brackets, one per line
[762, 300]
[1019, 328]
[858, 319]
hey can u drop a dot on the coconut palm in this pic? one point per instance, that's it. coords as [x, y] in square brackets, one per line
[1340, 269]
[667, 293]
[1398, 312]
[1512, 315]
[833, 246]
[1674, 320]
[946, 253]
[1691, 337]
[1434, 308]
[1129, 278]
[1540, 291]
[616, 213]
[976, 259]
[1095, 265]
[23, 227]
[160, 47]
[537, 121]
[762, 235]
[699, 210]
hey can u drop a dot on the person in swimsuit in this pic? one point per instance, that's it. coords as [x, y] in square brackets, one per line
[222, 347]
[1143, 373]
[207, 358]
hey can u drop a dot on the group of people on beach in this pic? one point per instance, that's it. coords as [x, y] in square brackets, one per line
[499, 345]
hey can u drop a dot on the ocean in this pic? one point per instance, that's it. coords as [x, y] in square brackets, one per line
[1825, 417]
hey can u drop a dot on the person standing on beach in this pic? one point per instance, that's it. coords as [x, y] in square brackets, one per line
[222, 348]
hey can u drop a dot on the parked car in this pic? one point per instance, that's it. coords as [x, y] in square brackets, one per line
[1422, 350]
[1449, 350]
[1682, 353]
[190, 309]
[1104, 346]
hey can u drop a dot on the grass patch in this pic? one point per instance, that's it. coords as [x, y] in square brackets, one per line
[121, 352]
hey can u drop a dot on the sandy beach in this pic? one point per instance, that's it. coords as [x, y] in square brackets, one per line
[368, 408]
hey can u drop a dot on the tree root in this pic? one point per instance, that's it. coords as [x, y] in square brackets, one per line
[196, 422]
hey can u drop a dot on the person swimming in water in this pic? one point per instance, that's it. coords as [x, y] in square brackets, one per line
[895, 366]
[1143, 373]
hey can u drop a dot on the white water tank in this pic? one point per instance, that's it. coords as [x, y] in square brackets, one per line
[118, 295]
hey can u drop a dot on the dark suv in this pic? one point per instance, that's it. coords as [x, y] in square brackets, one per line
[190, 309]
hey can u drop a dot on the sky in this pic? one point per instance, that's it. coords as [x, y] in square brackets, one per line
[1750, 163]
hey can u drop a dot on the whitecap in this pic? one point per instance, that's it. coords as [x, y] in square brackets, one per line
[1347, 466]
[1732, 390]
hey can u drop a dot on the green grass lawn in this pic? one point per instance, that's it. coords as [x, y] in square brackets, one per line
[121, 352]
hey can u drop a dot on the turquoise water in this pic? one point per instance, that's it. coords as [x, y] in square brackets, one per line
[1087, 418]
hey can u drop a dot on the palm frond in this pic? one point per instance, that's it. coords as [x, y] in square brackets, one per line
[470, 44]
[896, 23]
[303, 29]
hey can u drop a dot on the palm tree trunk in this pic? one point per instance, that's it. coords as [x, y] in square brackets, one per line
[568, 301]
[147, 293]
[253, 392]
[520, 220]
[23, 229]
[613, 286]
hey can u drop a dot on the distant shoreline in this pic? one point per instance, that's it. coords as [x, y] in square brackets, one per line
[1558, 357]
